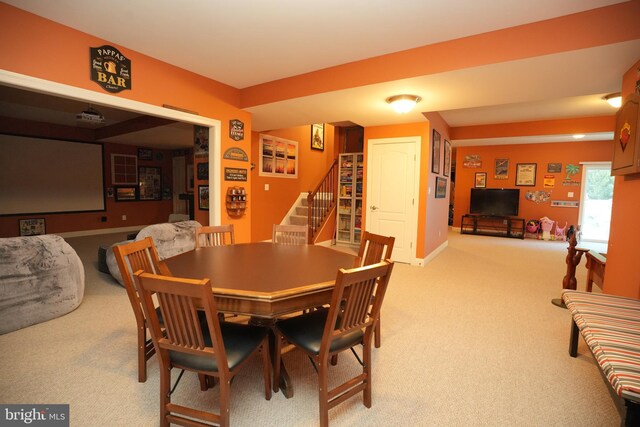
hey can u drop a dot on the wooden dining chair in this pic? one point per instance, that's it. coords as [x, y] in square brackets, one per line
[349, 321]
[131, 257]
[215, 235]
[212, 349]
[373, 249]
[285, 234]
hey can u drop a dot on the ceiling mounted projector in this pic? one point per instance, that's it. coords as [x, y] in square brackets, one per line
[90, 115]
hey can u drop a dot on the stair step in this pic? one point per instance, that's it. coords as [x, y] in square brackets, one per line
[302, 210]
[298, 220]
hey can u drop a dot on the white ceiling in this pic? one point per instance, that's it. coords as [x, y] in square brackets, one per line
[247, 42]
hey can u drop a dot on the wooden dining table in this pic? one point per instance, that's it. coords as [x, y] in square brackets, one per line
[265, 280]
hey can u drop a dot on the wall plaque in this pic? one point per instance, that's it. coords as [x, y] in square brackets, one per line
[235, 174]
[110, 68]
[235, 153]
[236, 130]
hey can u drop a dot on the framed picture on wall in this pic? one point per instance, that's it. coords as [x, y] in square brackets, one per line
[150, 183]
[435, 152]
[32, 227]
[526, 174]
[481, 180]
[441, 187]
[447, 158]
[317, 136]
[145, 154]
[278, 157]
[203, 171]
[203, 197]
[502, 169]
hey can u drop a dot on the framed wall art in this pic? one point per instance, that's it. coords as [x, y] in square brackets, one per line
[145, 154]
[203, 171]
[278, 157]
[481, 180]
[126, 194]
[526, 174]
[317, 136]
[203, 197]
[32, 227]
[441, 187]
[501, 169]
[150, 181]
[447, 158]
[435, 152]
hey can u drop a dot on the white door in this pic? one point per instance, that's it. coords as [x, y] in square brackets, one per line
[595, 202]
[392, 185]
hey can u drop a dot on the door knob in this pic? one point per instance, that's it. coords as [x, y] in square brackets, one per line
[373, 208]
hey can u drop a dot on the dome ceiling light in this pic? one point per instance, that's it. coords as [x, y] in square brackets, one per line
[403, 103]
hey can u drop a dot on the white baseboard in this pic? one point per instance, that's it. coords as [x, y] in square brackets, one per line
[101, 231]
[432, 255]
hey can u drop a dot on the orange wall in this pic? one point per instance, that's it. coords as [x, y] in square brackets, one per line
[29, 42]
[274, 204]
[623, 274]
[541, 154]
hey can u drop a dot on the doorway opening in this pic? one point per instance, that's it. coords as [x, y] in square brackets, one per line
[595, 202]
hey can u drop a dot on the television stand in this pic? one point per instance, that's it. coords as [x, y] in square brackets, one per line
[489, 225]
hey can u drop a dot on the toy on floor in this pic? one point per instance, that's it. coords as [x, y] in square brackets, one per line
[546, 225]
[532, 228]
[559, 232]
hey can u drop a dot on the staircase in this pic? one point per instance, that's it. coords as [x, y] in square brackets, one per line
[299, 212]
[312, 209]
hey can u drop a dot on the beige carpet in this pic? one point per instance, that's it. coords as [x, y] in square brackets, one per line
[471, 339]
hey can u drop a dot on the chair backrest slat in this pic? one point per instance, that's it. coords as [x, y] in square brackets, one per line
[285, 234]
[215, 235]
[179, 301]
[356, 300]
[374, 248]
[136, 256]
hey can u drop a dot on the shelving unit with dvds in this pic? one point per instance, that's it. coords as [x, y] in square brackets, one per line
[350, 199]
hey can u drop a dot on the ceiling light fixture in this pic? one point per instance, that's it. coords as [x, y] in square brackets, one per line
[614, 99]
[403, 103]
[579, 136]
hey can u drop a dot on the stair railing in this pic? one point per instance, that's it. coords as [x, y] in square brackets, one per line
[322, 201]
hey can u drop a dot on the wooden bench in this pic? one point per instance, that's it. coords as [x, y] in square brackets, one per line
[610, 325]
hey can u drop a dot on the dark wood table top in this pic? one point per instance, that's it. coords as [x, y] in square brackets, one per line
[264, 279]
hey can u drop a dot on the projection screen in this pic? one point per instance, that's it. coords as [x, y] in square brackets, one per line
[50, 176]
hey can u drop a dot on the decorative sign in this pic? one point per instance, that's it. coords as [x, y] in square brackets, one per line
[236, 130]
[564, 204]
[554, 167]
[235, 174]
[549, 181]
[110, 68]
[571, 170]
[236, 153]
[472, 161]
[537, 196]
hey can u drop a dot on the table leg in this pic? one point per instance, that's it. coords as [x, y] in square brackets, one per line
[285, 382]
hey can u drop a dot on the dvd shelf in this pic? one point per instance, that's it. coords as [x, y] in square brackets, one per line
[350, 201]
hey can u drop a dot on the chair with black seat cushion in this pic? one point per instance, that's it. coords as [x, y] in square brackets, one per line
[131, 257]
[215, 235]
[349, 321]
[215, 349]
[284, 234]
[374, 248]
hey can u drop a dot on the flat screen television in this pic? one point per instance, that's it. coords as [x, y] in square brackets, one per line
[495, 201]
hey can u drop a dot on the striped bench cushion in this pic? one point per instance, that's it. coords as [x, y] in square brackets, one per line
[610, 325]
